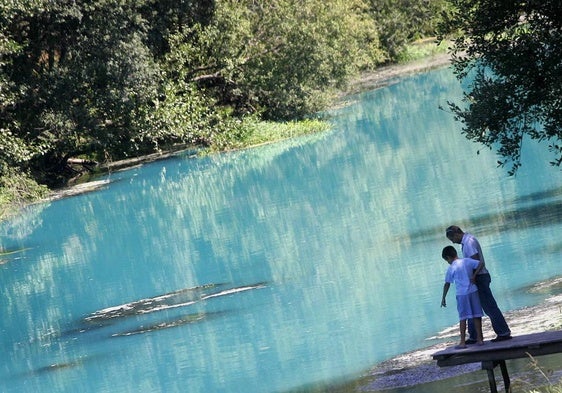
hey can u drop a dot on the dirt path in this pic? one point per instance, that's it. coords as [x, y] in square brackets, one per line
[385, 75]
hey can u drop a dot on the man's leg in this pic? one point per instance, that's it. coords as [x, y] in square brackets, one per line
[490, 306]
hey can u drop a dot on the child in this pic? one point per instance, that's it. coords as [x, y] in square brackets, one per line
[463, 271]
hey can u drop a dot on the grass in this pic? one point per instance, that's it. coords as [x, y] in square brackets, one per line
[549, 387]
[556, 388]
[16, 191]
[256, 132]
[265, 132]
[422, 49]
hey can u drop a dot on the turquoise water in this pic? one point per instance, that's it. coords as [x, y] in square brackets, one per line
[293, 264]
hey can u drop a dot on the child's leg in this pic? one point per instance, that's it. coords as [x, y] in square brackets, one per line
[462, 326]
[478, 326]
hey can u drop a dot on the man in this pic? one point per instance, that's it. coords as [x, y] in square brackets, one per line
[471, 249]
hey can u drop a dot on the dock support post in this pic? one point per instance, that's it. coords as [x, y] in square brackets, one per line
[489, 367]
[505, 375]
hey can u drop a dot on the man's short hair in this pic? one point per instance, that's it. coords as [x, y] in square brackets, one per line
[452, 229]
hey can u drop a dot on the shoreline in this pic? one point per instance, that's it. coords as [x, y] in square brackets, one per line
[381, 77]
[416, 368]
[387, 75]
[372, 80]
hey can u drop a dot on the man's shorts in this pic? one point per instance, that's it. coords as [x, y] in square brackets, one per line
[469, 306]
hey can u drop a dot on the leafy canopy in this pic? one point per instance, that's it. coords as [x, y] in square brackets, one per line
[102, 80]
[513, 49]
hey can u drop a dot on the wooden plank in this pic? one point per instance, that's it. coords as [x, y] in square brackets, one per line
[535, 344]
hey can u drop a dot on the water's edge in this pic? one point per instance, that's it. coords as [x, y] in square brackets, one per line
[417, 367]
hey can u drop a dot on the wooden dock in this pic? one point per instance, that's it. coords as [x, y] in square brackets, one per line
[493, 354]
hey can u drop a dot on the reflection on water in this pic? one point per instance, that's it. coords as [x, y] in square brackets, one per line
[181, 298]
[519, 217]
[184, 319]
[279, 268]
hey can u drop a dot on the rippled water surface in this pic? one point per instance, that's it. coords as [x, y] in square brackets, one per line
[293, 264]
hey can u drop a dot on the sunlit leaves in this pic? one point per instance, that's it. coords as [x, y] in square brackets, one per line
[109, 79]
[400, 22]
[280, 58]
[515, 51]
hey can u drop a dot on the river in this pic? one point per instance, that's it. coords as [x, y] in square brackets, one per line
[287, 267]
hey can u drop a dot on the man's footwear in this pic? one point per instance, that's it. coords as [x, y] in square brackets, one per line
[501, 338]
[470, 341]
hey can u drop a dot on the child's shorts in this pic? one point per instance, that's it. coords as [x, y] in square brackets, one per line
[469, 306]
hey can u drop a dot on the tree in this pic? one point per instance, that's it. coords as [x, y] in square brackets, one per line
[80, 78]
[77, 74]
[513, 50]
[109, 79]
[14, 150]
[281, 58]
[400, 22]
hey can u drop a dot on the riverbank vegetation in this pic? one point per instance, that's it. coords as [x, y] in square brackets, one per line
[550, 387]
[83, 83]
[89, 82]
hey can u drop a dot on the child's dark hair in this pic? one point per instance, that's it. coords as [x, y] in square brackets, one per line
[449, 252]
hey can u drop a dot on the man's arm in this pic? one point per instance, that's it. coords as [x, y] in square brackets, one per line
[477, 270]
[472, 247]
[445, 290]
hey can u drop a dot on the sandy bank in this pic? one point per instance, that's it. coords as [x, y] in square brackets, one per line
[417, 367]
[384, 76]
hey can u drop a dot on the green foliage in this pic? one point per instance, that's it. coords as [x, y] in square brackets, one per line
[111, 79]
[281, 59]
[251, 131]
[13, 150]
[266, 131]
[514, 52]
[401, 22]
[77, 71]
[421, 49]
[16, 190]
[181, 115]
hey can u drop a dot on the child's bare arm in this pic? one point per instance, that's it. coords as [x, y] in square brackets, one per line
[445, 290]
